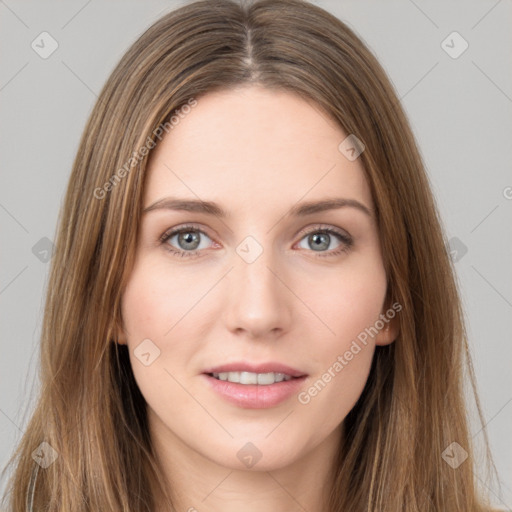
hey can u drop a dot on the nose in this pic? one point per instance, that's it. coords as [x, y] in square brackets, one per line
[260, 300]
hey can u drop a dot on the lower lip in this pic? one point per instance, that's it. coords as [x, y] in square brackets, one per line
[253, 396]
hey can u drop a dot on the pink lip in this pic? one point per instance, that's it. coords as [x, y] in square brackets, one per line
[253, 396]
[256, 368]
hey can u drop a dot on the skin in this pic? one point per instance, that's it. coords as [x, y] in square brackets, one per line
[256, 153]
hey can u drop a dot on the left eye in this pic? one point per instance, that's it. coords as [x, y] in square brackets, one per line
[320, 240]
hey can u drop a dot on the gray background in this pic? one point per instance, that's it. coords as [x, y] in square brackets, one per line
[459, 108]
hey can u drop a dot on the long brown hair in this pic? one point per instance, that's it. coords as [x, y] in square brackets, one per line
[90, 410]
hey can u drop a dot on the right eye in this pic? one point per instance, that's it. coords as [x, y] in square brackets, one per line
[187, 243]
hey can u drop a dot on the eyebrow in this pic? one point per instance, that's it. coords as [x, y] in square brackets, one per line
[211, 208]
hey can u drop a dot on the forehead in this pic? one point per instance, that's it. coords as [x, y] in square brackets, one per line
[252, 147]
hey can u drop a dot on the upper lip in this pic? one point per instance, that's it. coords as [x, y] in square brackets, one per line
[256, 368]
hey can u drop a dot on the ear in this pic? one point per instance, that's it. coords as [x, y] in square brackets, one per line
[119, 335]
[121, 340]
[391, 327]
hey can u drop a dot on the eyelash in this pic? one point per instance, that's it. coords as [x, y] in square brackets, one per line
[347, 242]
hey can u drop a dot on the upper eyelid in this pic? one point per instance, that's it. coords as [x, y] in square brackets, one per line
[173, 231]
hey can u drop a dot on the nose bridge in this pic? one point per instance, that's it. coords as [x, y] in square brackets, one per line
[254, 275]
[257, 296]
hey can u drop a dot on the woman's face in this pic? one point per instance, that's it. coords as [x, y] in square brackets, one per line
[259, 285]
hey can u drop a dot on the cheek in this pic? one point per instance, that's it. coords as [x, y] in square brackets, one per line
[342, 358]
[153, 305]
[348, 304]
[346, 300]
[150, 312]
[155, 300]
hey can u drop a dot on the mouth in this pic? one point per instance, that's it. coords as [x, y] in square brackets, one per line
[254, 390]
[252, 378]
[250, 373]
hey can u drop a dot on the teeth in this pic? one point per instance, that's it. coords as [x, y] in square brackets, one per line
[263, 379]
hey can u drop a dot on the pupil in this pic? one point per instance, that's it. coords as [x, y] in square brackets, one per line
[320, 240]
[189, 238]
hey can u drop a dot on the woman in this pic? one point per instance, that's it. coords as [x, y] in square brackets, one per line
[250, 305]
